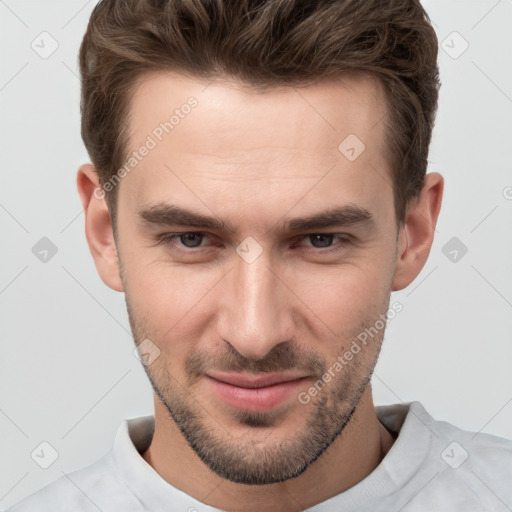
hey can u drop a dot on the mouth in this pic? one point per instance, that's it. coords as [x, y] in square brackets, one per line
[255, 393]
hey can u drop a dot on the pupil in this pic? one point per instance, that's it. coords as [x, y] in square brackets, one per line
[325, 240]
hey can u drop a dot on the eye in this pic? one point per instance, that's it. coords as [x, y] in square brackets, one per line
[321, 240]
[189, 240]
[325, 240]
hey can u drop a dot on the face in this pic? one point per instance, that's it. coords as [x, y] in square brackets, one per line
[254, 251]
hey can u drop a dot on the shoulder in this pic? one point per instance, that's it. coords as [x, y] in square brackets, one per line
[473, 465]
[95, 487]
[476, 455]
[435, 465]
[459, 446]
[105, 485]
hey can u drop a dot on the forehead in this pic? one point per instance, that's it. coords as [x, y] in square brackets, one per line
[224, 137]
[325, 111]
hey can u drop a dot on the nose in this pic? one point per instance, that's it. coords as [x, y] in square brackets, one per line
[256, 307]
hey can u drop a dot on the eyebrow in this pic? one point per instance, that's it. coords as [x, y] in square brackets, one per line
[164, 214]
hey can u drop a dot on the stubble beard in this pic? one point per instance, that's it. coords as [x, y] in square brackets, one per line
[238, 458]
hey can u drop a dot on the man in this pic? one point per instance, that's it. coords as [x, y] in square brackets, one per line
[258, 190]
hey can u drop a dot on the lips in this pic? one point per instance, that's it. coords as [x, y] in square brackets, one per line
[255, 392]
[255, 381]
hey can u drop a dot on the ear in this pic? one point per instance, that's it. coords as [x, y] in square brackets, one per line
[98, 227]
[417, 232]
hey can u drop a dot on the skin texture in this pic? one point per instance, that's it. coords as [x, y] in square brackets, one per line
[256, 159]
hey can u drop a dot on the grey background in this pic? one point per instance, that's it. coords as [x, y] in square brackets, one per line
[68, 376]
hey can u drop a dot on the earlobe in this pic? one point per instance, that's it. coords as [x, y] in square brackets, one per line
[417, 232]
[98, 227]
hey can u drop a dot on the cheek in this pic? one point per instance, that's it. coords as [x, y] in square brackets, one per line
[345, 297]
[169, 300]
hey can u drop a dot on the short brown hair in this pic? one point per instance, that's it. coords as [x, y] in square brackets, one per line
[263, 43]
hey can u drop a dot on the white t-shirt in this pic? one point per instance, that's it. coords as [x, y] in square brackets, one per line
[433, 466]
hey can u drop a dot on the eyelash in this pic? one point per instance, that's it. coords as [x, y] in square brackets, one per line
[169, 239]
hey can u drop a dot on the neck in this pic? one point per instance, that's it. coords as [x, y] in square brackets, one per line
[355, 453]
